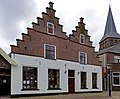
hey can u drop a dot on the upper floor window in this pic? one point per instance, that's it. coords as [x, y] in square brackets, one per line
[82, 39]
[50, 28]
[116, 59]
[82, 58]
[29, 78]
[49, 51]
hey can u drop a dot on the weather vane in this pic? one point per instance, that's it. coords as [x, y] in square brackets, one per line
[110, 2]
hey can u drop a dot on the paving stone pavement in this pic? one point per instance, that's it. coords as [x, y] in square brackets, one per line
[103, 95]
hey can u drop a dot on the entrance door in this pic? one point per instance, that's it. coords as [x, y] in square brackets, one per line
[4, 85]
[71, 81]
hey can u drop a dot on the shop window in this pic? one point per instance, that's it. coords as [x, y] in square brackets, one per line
[29, 78]
[53, 79]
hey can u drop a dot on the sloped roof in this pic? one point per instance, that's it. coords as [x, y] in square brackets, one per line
[110, 28]
[112, 49]
[10, 60]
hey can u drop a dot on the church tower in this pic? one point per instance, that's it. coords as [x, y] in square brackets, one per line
[109, 54]
[110, 37]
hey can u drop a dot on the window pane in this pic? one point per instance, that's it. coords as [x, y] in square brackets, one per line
[50, 52]
[82, 58]
[29, 78]
[50, 28]
[53, 78]
[116, 74]
[82, 38]
[71, 73]
[83, 80]
[116, 80]
[94, 80]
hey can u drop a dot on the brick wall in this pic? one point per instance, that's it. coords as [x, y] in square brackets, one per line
[67, 47]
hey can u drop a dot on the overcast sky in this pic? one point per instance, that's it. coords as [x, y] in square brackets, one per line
[17, 15]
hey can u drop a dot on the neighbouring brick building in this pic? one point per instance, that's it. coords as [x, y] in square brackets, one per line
[109, 54]
[50, 62]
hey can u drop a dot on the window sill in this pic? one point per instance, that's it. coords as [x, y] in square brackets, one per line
[83, 63]
[50, 59]
[54, 89]
[95, 88]
[84, 88]
[116, 85]
[29, 89]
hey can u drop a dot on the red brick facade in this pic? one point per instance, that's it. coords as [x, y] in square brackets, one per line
[67, 47]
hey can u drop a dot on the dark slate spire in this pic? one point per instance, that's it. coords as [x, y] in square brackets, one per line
[110, 28]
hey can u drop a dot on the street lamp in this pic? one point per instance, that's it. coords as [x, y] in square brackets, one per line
[109, 77]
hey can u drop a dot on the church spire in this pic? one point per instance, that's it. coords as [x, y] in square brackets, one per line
[110, 28]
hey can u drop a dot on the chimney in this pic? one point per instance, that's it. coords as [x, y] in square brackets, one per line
[51, 5]
[81, 19]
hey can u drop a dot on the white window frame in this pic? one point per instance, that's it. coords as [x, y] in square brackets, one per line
[37, 77]
[45, 50]
[83, 38]
[85, 57]
[116, 76]
[59, 78]
[48, 29]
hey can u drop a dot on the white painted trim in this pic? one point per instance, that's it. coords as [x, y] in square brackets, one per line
[45, 50]
[53, 28]
[16, 75]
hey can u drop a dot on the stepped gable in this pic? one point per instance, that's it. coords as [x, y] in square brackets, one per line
[41, 27]
[80, 29]
[49, 16]
[68, 48]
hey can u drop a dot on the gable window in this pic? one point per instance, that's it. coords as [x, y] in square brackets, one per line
[53, 79]
[116, 79]
[94, 80]
[50, 28]
[50, 51]
[29, 78]
[82, 39]
[83, 80]
[82, 58]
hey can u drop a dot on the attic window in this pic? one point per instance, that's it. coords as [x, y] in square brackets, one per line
[50, 28]
[82, 39]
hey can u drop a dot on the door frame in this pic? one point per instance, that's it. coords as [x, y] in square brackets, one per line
[71, 81]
